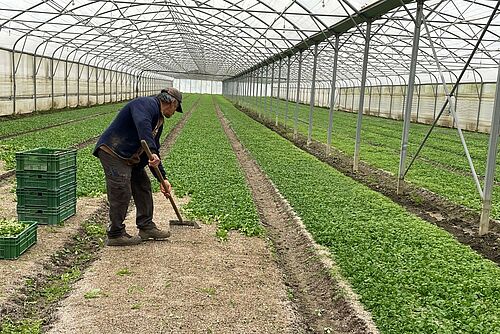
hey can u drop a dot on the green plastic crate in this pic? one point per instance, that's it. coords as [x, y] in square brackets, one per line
[45, 180]
[52, 199]
[45, 159]
[12, 248]
[47, 216]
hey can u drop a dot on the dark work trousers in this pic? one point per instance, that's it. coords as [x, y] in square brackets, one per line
[123, 182]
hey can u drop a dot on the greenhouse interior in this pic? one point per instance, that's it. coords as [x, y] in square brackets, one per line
[297, 166]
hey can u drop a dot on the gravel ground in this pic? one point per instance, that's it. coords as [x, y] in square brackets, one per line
[190, 284]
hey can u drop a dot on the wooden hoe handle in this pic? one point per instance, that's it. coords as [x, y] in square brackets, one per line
[160, 177]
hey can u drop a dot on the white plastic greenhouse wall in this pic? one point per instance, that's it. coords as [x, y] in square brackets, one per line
[41, 83]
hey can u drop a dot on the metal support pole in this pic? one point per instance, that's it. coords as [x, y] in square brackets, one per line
[78, 77]
[14, 87]
[484, 222]
[271, 95]
[66, 82]
[261, 104]
[409, 99]
[362, 96]
[479, 105]
[287, 88]
[279, 88]
[390, 103]
[313, 95]
[34, 83]
[265, 90]
[52, 74]
[332, 95]
[88, 85]
[238, 100]
[297, 102]
[96, 85]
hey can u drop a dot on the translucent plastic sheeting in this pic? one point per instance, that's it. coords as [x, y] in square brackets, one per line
[217, 39]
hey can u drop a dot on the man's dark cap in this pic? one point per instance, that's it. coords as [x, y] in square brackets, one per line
[176, 95]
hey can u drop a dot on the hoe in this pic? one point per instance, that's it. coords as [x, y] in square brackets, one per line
[179, 220]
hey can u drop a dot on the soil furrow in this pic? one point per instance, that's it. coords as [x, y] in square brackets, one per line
[320, 298]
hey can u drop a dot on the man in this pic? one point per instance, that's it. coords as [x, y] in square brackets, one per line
[123, 161]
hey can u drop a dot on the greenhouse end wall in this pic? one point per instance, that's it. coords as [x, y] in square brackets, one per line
[32, 83]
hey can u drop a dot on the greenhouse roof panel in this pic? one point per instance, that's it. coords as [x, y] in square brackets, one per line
[225, 38]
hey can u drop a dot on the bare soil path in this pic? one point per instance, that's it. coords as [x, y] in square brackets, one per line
[189, 284]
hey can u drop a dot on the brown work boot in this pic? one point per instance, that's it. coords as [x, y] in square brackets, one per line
[124, 240]
[153, 233]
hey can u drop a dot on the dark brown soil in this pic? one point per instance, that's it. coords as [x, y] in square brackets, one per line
[319, 297]
[459, 221]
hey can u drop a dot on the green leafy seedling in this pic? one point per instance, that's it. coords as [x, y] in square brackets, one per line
[209, 291]
[94, 293]
[135, 288]
[123, 272]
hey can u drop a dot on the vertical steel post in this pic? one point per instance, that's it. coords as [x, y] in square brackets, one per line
[88, 85]
[250, 88]
[287, 88]
[78, 77]
[261, 103]
[14, 87]
[332, 95]
[370, 99]
[479, 106]
[121, 85]
[238, 100]
[271, 95]
[52, 74]
[116, 84]
[390, 105]
[265, 90]
[34, 81]
[379, 98]
[296, 114]
[66, 81]
[362, 96]
[96, 85]
[279, 87]
[313, 95]
[484, 222]
[409, 98]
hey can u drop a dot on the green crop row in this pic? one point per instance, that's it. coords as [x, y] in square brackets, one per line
[33, 122]
[412, 276]
[442, 167]
[378, 131]
[203, 166]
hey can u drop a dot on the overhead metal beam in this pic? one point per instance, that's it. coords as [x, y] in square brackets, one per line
[369, 13]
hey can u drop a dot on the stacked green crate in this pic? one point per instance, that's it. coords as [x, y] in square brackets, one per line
[46, 185]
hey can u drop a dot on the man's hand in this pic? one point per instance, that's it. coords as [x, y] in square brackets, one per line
[167, 191]
[155, 161]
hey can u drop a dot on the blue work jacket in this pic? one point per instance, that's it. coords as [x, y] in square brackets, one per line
[134, 122]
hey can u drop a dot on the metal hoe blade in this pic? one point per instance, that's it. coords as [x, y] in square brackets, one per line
[185, 223]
